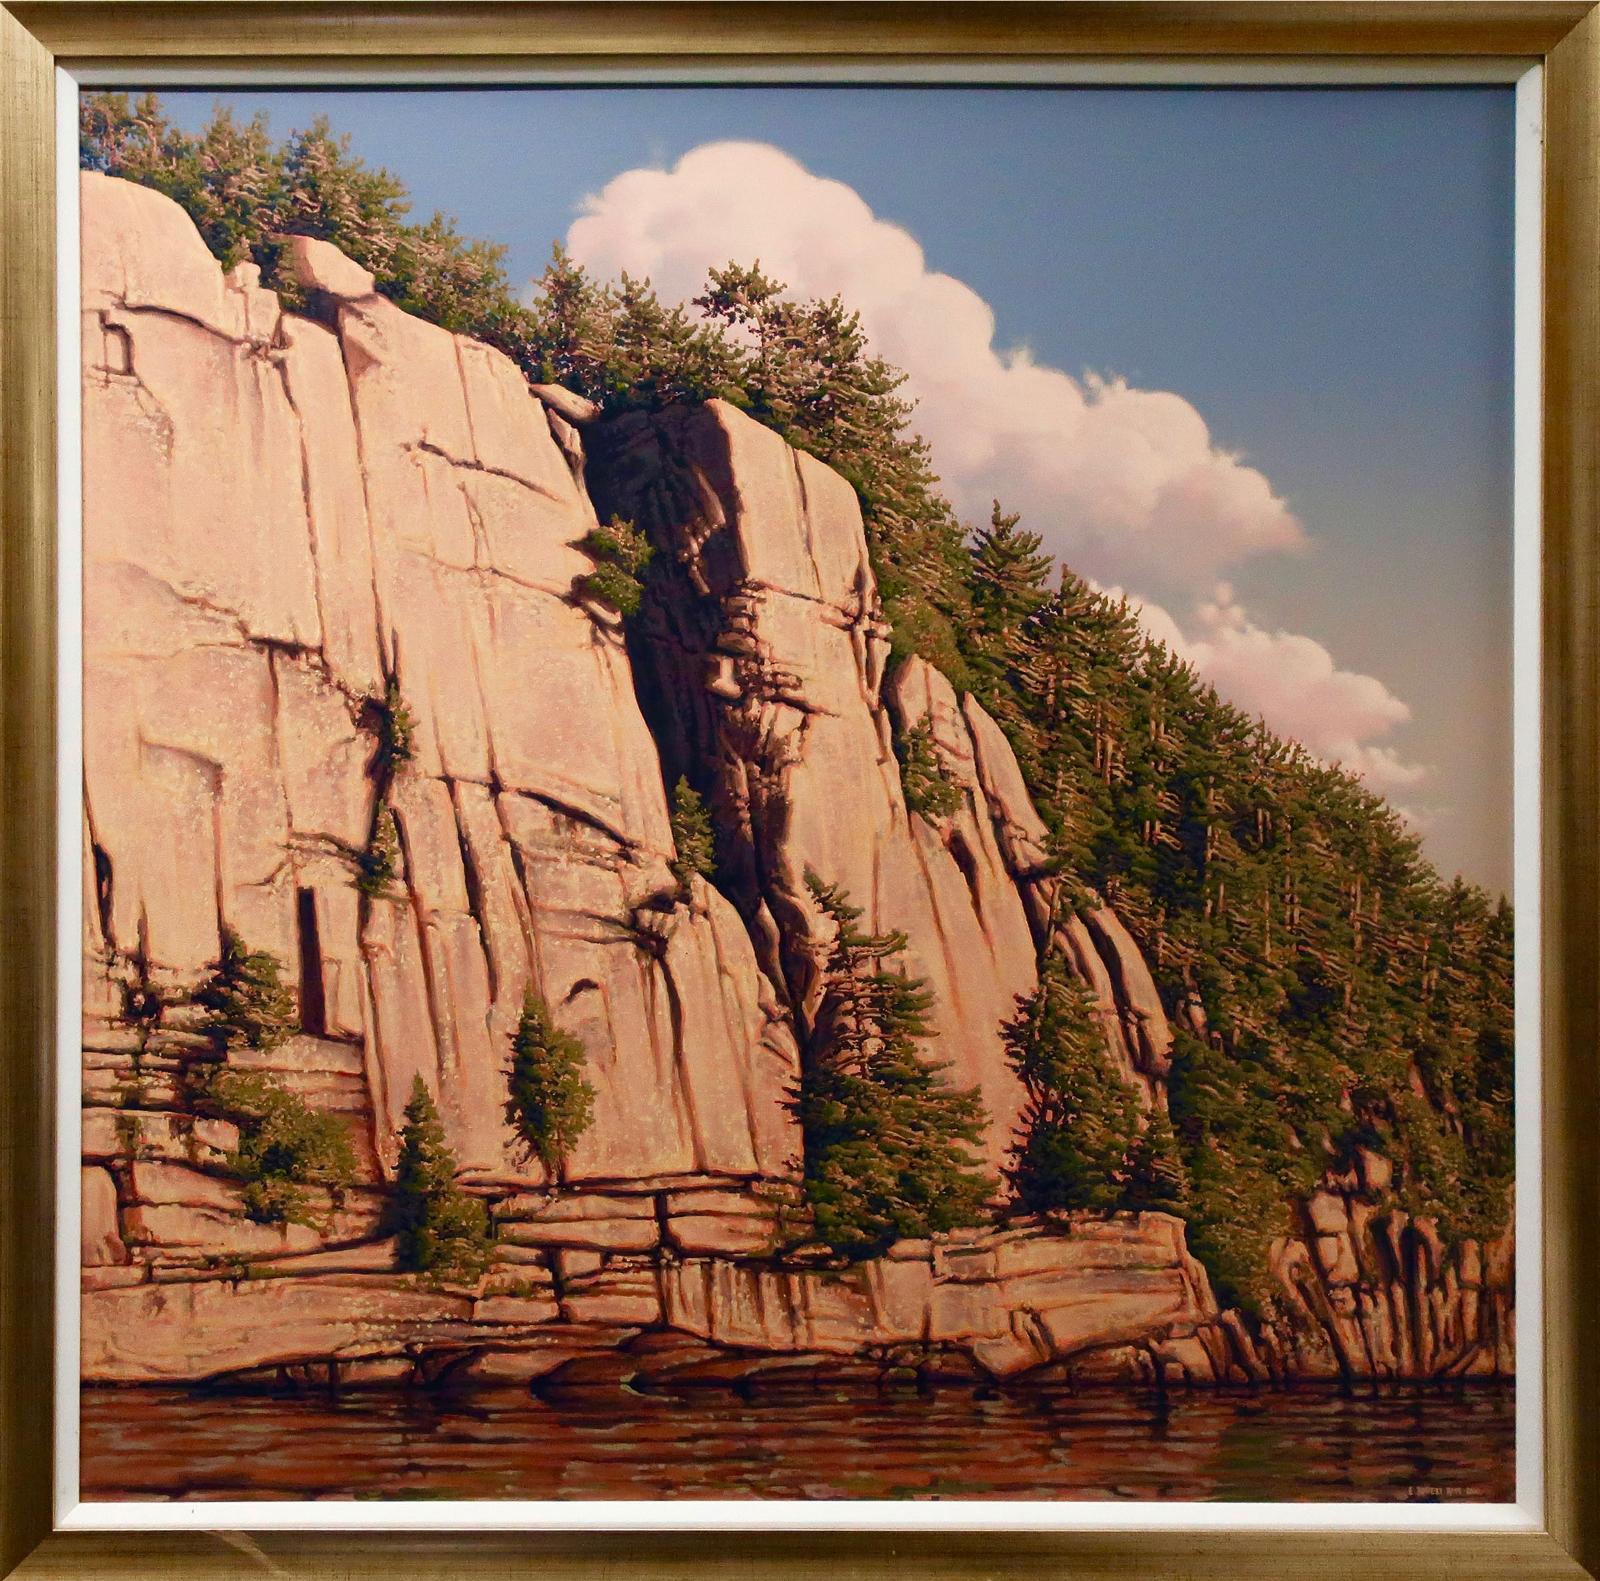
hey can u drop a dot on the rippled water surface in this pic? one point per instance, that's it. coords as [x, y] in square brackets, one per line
[1307, 1443]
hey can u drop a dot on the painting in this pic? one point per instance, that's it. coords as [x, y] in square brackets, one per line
[797, 793]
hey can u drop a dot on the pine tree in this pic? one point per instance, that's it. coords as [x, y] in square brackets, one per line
[692, 836]
[888, 1145]
[1081, 1116]
[379, 862]
[551, 1102]
[247, 998]
[1155, 1179]
[1010, 574]
[923, 777]
[441, 1231]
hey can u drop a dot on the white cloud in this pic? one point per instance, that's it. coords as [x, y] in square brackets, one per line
[1124, 482]
[1293, 683]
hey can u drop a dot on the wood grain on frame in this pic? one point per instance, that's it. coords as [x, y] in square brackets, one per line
[1571, 810]
[1568, 35]
[27, 781]
[827, 29]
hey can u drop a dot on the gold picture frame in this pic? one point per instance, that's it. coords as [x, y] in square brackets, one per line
[324, 35]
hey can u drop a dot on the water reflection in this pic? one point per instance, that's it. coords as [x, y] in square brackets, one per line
[1303, 1444]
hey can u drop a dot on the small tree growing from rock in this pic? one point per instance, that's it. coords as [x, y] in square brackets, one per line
[888, 1145]
[922, 775]
[441, 1231]
[391, 721]
[284, 1146]
[692, 836]
[551, 1102]
[621, 554]
[1155, 1179]
[377, 865]
[247, 997]
[1081, 1117]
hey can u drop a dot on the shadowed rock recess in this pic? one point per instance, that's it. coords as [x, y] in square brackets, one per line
[300, 526]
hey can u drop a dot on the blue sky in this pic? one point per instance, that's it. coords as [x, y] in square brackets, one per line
[1323, 275]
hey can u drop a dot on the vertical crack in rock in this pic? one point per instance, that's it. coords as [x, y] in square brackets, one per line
[279, 362]
[387, 655]
[473, 881]
[104, 879]
[421, 922]
[684, 1100]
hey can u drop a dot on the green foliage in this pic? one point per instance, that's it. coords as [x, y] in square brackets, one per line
[229, 178]
[442, 1232]
[927, 787]
[1246, 1169]
[692, 836]
[622, 555]
[1008, 579]
[918, 626]
[285, 1145]
[887, 1142]
[1280, 904]
[243, 190]
[551, 1102]
[1081, 1117]
[388, 718]
[377, 865]
[248, 1001]
[1154, 1177]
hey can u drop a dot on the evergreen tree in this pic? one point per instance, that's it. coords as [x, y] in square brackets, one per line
[692, 836]
[887, 1143]
[1010, 577]
[247, 998]
[551, 1102]
[392, 722]
[441, 1230]
[1081, 1117]
[1155, 1179]
[923, 778]
[378, 864]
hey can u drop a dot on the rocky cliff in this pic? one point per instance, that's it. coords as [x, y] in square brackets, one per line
[298, 523]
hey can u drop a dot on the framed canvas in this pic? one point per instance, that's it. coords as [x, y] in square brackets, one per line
[615, 971]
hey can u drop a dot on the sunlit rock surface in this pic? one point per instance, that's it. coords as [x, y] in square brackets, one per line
[297, 522]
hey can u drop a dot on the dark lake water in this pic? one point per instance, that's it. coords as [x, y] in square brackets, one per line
[1300, 1444]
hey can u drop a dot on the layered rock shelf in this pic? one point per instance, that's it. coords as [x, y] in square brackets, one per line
[292, 517]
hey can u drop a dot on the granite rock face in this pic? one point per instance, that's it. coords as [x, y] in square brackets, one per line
[333, 603]
[288, 518]
[764, 662]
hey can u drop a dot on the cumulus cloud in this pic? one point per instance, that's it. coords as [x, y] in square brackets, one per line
[1293, 683]
[1123, 482]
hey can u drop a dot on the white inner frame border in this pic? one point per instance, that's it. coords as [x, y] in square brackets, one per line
[1525, 1514]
